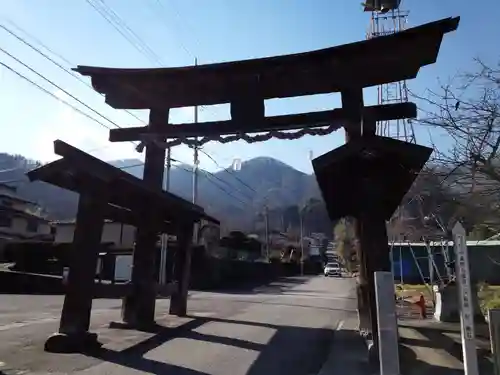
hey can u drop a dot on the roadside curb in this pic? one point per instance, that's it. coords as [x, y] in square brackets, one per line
[348, 352]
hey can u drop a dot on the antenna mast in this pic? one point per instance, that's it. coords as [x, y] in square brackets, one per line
[387, 18]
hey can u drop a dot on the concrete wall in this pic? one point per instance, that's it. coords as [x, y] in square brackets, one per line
[122, 235]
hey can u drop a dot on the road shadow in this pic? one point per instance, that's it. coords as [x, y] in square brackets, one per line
[280, 285]
[291, 350]
[299, 305]
[410, 365]
[437, 338]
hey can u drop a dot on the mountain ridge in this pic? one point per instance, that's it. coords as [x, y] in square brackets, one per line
[236, 197]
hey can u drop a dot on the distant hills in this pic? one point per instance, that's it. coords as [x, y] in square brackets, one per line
[237, 198]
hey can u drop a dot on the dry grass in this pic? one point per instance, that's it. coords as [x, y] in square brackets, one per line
[489, 296]
[413, 291]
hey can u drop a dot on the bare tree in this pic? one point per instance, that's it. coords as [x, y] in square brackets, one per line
[346, 248]
[468, 111]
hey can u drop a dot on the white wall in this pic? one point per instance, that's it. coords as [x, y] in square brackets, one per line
[19, 226]
[43, 228]
[122, 235]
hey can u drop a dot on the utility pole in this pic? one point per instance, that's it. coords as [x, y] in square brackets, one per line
[301, 243]
[169, 166]
[195, 155]
[195, 173]
[164, 237]
[266, 218]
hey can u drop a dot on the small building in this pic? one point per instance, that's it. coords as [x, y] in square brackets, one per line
[20, 219]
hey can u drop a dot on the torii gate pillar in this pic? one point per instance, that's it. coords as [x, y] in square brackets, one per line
[366, 179]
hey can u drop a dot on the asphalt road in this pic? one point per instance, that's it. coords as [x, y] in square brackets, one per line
[282, 328]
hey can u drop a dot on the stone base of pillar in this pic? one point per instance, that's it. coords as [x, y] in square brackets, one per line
[72, 343]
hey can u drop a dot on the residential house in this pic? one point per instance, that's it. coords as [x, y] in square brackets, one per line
[20, 219]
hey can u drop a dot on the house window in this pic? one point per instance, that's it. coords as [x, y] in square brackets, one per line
[6, 202]
[5, 220]
[32, 225]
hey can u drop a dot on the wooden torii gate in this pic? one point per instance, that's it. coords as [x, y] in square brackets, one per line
[247, 84]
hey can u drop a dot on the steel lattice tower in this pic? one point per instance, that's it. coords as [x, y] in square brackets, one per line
[385, 22]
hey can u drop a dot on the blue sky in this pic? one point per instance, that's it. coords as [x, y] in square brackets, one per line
[213, 31]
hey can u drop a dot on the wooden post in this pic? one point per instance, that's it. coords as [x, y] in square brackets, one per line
[75, 318]
[370, 226]
[182, 270]
[374, 245]
[139, 306]
[352, 102]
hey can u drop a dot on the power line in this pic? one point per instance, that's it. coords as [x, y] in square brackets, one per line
[123, 24]
[24, 179]
[52, 95]
[211, 181]
[226, 183]
[227, 192]
[228, 171]
[91, 118]
[119, 25]
[214, 183]
[142, 164]
[176, 10]
[132, 166]
[221, 180]
[164, 10]
[85, 114]
[183, 24]
[34, 38]
[60, 88]
[60, 66]
[180, 165]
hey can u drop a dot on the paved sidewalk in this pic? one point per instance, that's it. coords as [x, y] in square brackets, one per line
[348, 353]
[431, 347]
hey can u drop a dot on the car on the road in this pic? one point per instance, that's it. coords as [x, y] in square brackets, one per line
[333, 269]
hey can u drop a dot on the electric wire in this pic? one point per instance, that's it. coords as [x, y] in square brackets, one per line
[60, 66]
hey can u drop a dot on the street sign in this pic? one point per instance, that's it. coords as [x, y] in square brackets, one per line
[466, 300]
[388, 345]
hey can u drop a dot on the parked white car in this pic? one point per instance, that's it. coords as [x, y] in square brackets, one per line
[333, 269]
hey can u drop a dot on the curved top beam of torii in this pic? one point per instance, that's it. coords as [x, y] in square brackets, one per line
[361, 64]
